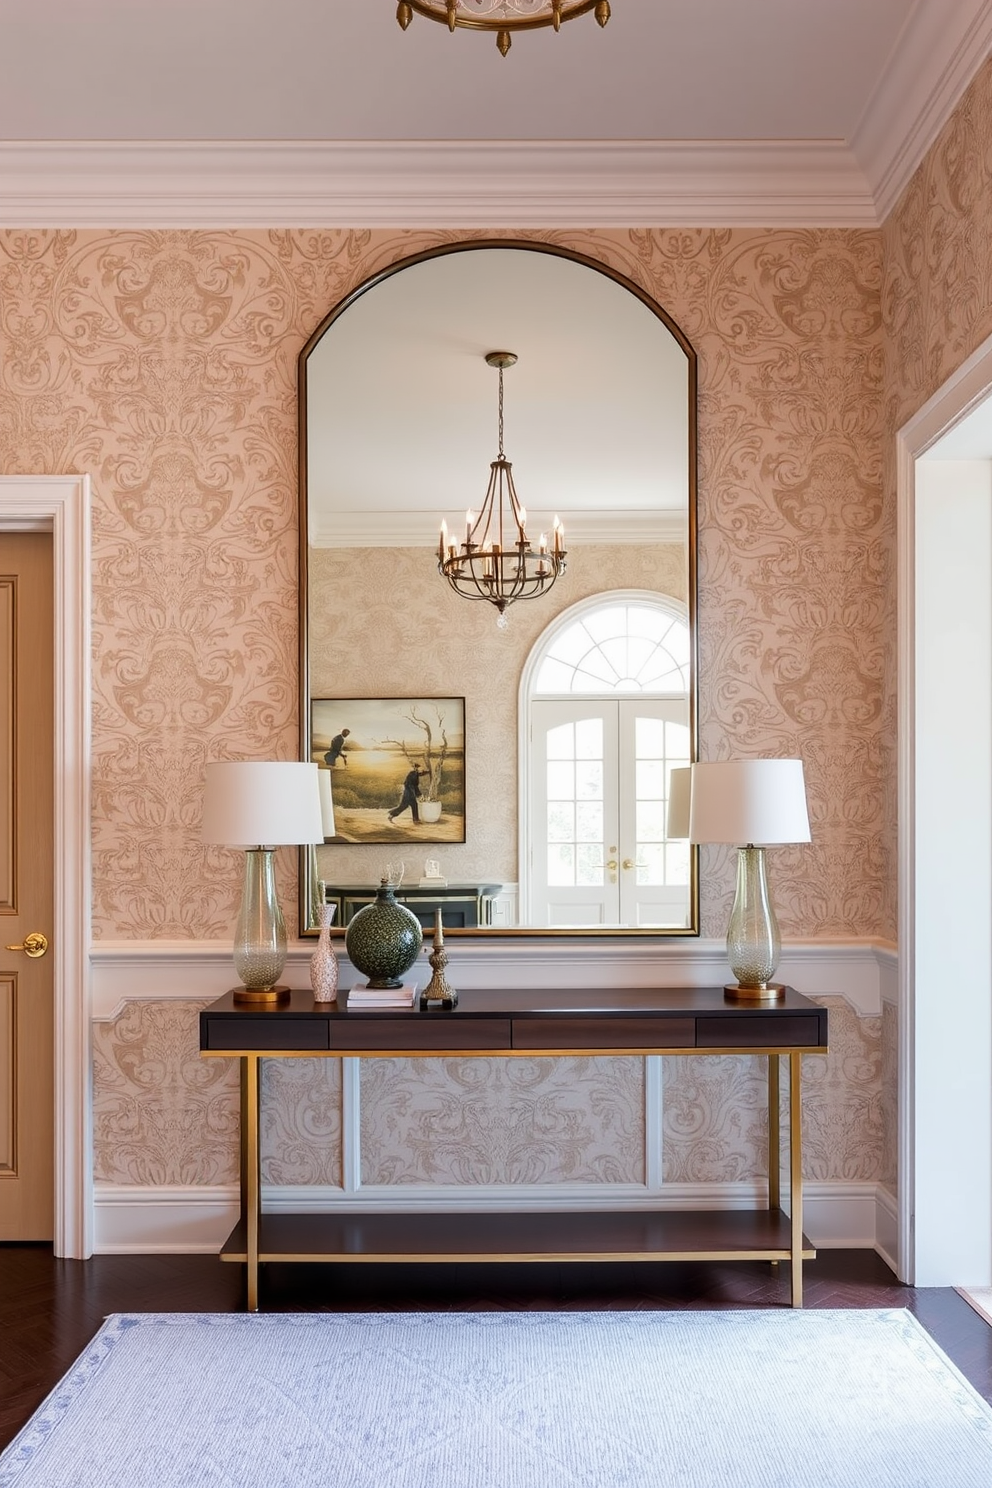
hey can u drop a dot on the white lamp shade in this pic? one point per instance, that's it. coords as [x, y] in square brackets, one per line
[744, 802]
[256, 803]
[326, 802]
[678, 802]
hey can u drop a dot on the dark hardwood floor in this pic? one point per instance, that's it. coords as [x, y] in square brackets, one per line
[49, 1309]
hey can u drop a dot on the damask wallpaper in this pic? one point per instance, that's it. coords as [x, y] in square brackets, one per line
[937, 246]
[164, 363]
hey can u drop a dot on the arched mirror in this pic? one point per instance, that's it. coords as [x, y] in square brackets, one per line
[420, 693]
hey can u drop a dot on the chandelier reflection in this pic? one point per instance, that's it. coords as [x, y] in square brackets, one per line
[497, 562]
[501, 16]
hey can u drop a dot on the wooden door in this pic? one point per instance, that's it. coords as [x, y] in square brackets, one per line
[26, 887]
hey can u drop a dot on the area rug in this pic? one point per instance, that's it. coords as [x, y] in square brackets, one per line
[509, 1400]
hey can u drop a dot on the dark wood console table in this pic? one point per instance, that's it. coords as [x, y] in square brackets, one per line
[523, 1022]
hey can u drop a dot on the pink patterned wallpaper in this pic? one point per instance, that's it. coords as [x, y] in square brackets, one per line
[937, 246]
[165, 362]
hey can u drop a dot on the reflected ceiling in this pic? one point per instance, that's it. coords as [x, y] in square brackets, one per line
[402, 408]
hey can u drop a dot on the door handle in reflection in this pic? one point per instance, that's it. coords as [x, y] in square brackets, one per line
[32, 945]
[630, 863]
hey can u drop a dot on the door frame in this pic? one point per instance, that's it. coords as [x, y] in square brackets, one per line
[61, 505]
[934, 1202]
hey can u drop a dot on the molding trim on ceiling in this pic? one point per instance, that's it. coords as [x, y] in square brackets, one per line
[934, 61]
[473, 183]
[420, 529]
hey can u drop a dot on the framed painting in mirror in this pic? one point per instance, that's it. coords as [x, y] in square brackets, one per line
[396, 766]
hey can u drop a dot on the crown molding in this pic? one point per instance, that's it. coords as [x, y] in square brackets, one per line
[410, 529]
[935, 59]
[470, 183]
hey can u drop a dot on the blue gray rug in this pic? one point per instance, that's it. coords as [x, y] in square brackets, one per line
[509, 1400]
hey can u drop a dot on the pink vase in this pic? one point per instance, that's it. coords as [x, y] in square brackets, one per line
[323, 962]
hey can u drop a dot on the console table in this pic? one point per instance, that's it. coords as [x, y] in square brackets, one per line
[519, 1022]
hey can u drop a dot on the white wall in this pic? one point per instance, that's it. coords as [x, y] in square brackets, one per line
[951, 1098]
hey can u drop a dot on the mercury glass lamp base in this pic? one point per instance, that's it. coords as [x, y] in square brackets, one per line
[773, 992]
[257, 995]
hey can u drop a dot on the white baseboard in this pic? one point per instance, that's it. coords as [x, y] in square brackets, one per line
[180, 1220]
[132, 1220]
[887, 1227]
[840, 1216]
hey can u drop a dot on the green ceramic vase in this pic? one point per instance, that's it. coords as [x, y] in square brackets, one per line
[383, 940]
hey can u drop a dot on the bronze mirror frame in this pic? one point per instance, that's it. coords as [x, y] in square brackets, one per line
[519, 932]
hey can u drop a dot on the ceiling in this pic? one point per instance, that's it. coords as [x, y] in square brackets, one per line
[325, 112]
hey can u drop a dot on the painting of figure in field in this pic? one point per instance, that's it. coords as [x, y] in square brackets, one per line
[396, 767]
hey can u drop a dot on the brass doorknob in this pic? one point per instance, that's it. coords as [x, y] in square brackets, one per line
[612, 865]
[33, 945]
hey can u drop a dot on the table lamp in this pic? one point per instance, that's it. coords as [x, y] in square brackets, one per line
[260, 805]
[751, 804]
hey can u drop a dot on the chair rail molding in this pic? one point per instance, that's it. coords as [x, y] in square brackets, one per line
[862, 972]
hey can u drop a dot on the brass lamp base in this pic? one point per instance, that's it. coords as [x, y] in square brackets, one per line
[770, 992]
[254, 996]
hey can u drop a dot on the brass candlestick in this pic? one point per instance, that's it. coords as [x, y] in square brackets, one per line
[438, 989]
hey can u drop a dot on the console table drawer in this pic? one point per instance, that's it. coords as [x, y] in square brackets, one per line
[744, 1030]
[604, 1033]
[413, 1034]
[263, 1031]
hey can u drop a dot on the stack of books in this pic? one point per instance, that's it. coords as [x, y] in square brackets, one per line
[362, 995]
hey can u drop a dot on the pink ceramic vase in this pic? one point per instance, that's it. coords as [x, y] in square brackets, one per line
[323, 962]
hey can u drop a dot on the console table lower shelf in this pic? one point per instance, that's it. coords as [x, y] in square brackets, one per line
[676, 1235]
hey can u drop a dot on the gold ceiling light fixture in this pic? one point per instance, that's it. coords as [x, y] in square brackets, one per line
[502, 16]
[496, 562]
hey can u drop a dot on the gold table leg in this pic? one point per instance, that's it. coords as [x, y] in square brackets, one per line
[774, 1136]
[796, 1174]
[251, 1176]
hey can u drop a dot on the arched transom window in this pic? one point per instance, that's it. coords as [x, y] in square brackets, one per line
[632, 646]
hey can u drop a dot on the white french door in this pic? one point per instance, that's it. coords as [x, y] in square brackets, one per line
[599, 852]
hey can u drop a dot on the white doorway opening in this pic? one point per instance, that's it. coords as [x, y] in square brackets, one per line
[945, 833]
